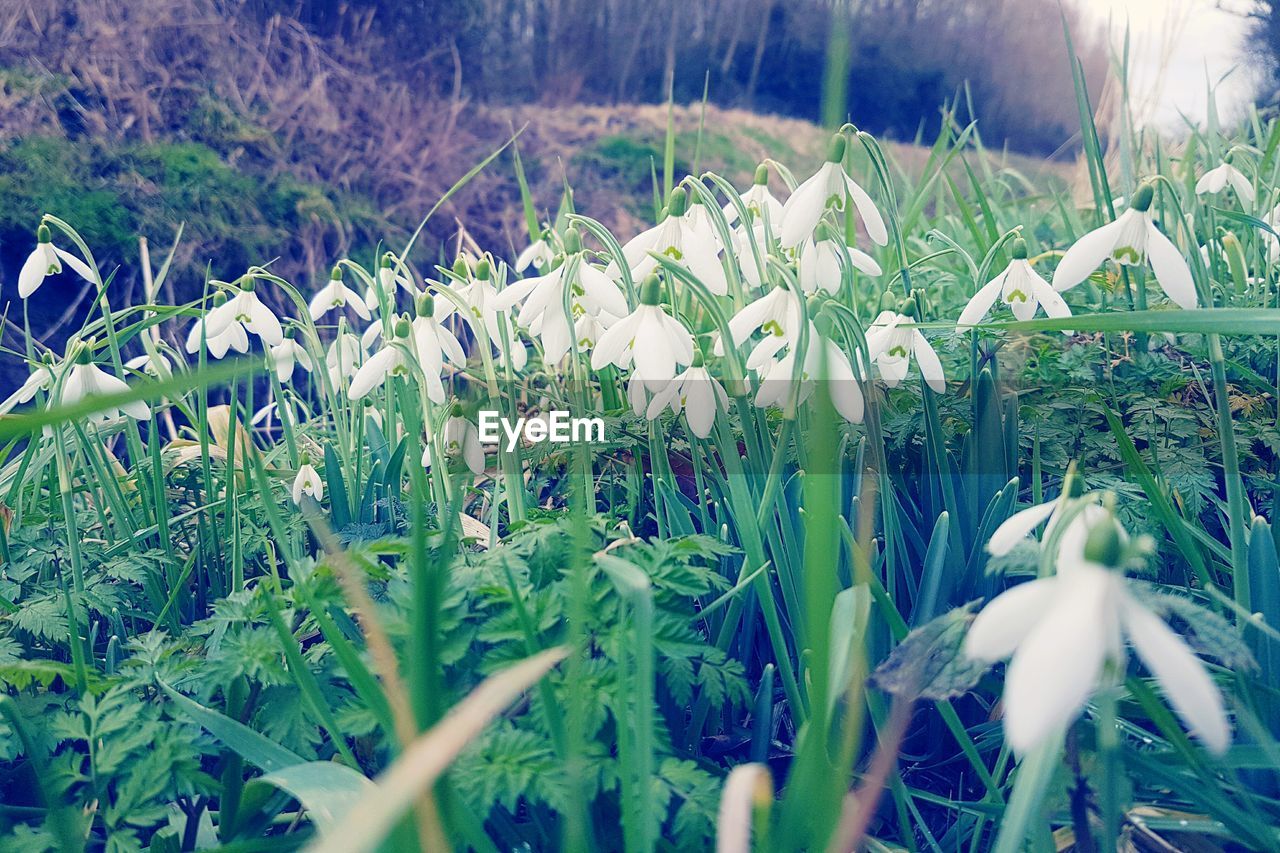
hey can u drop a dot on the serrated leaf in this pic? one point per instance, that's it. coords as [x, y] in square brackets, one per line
[929, 663]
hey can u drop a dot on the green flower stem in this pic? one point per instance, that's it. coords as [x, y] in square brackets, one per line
[1236, 500]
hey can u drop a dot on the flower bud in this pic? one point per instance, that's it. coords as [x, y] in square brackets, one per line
[42, 234]
[651, 290]
[482, 269]
[387, 261]
[426, 305]
[402, 328]
[835, 151]
[335, 274]
[460, 268]
[572, 240]
[678, 202]
[761, 176]
[698, 359]
[304, 458]
[1103, 545]
[1019, 249]
[1143, 197]
[247, 284]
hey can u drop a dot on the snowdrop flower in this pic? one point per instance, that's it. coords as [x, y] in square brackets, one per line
[246, 309]
[335, 294]
[42, 378]
[232, 338]
[1020, 287]
[45, 260]
[86, 380]
[1130, 240]
[1217, 179]
[823, 361]
[826, 190]
[1067, 631]
[686, 237]
[481, 297]
[343, 358]
[1074, 503]
[388, 280]
[286, 354]
[460, 438]
[540, 253]
[391, 360]
[159, 367]
[588, 328]
[818, 262]
[891, 347]
[432, 345]
[697, 393]
[759, 202]
[776, 315]
[265, 417]
[307, 483]
[544, 298]
[653, 339]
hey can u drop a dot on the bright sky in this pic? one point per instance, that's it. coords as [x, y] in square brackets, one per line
[1172, 43]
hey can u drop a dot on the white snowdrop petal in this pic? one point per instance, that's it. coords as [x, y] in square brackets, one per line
[1181, 675]
[1056, 667]
[1008, 618]
[1170, 268]
[1017, 527]
[1086, 255]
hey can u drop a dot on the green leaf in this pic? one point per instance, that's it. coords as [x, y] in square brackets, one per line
[1204, 321]
[339, 503]
[253, 747]
[930, 663]
[326, 789]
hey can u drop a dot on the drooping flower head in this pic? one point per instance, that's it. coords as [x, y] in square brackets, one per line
[459, 438]
[695, 392]
[383, 291]
[650, 337]
[759, 202]
[1226, 175]
[1067, 636]
[284, 355]
[824, 361]
[247, 310]
[819, 265]
[433, 343]
[336, 295]
[824, 191]
[45, 260]
[85, 380]
[391, 360]
[1020, 287]
[1131, 240]
[892, 341]
[308, 483]
[484, 314]
[588, 290]
[232, 337]
[686, 237]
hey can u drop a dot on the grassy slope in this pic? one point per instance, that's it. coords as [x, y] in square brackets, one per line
[609, 154]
